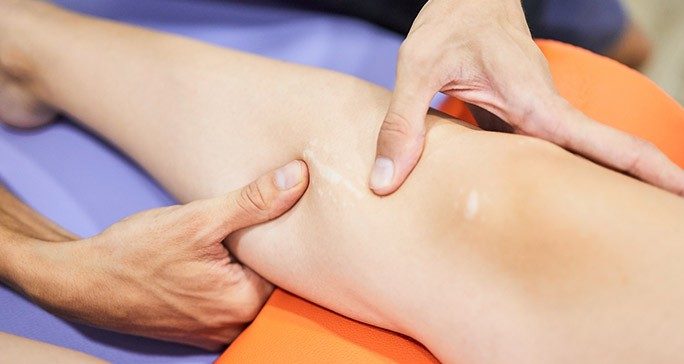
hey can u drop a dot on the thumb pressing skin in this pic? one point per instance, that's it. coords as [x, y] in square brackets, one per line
[402, 135]
[268, 197]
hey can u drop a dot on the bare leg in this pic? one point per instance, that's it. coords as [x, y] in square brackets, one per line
[499, 248]
[16, 349]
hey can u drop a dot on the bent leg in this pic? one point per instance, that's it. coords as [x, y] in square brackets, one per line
[487, 254]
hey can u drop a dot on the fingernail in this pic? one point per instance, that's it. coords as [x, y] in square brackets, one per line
[289, 176]
[382, 173]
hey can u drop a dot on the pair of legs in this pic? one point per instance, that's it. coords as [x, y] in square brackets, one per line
[498, 248]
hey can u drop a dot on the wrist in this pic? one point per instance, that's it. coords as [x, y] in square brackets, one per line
[48, 273]
[19, 261]
[9, 257]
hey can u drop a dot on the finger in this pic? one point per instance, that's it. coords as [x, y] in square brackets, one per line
[270, 196]
[402, 134]
[620, 151]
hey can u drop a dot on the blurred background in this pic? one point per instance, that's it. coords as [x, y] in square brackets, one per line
[644, 34]
[663, 22]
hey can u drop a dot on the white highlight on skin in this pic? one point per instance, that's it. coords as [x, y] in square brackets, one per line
[331, 175]
[472, 205]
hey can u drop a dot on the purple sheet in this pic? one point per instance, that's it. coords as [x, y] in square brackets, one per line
[84, 185]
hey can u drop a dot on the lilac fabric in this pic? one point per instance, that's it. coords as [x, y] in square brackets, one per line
[85, 185]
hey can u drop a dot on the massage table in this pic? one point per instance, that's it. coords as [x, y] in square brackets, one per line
[85, 185]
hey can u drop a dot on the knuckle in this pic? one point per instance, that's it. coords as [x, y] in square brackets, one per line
[646, 146]
[397, 124]
[413, 55]
[214, 253]
[253, 200]
[247, 312]
[199, 219]
[197, 223]
[234, 275]
[641, 151]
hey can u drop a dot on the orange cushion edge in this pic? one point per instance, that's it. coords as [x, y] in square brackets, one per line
[290, 329]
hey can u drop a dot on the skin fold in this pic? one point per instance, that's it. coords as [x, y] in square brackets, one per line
[498, 248]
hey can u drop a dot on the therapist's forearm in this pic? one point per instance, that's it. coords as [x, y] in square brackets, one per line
[45, 262]
[49, 274]
[33, 255]
[22, 230]
[16, 218]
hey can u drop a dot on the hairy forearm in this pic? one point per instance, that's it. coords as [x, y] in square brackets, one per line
[16, 217]
[36, 257]
[21, 229]
[50, 266]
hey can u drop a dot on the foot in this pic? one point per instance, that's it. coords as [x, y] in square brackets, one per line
[19, 106]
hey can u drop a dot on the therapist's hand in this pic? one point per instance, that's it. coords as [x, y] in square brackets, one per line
[481, 52]
[165, 273]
